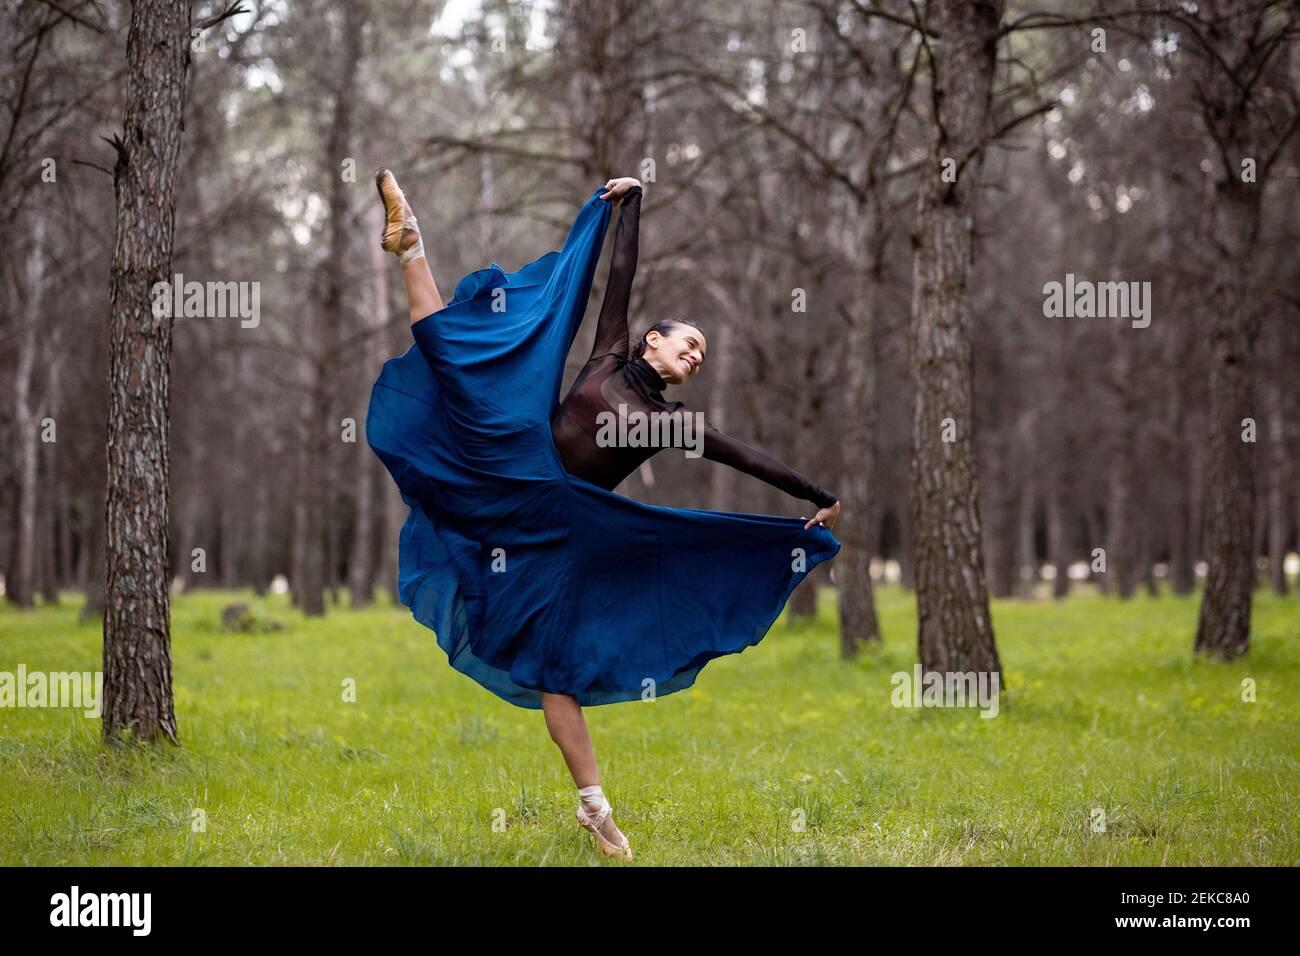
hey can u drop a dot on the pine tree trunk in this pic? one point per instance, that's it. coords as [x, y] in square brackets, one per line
[298, 570]
[137, 621]
[803, 601]
[1276, 484]
[67, 568]
[722, 481]
[1236, 129]
[1026, 551]
[58, 510]
[999, 529]
[360, 579]
[1057, 543]
[906, 553]
[94, 567]
[192, 525]
[20, 584]
[1056, 500]
[1179, 511]
[234, 503]
[1119, 528]
[954, 625]
[855, 528]
[332, 526]
[260, 539]
[323, 424]
[1223, 629]
[364, 566]
[48, 532]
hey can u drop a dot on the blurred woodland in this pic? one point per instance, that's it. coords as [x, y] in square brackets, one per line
[861, 203]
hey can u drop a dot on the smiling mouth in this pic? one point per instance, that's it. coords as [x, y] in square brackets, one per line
[690, 367]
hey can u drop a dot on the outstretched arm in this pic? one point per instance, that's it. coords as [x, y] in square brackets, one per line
[723, 448]
[611, 327]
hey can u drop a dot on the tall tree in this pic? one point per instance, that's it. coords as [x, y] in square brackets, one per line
[955, 628]
[1247, 127]
[20, 585]
[323, 424]
[137, 619]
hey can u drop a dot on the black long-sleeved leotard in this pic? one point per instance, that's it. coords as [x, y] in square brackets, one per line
[610, 379]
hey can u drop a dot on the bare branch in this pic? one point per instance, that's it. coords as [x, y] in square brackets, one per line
[235, 8]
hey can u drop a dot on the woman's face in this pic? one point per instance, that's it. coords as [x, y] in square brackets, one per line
[678, 355]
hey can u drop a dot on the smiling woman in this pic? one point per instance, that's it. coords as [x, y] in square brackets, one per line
[616, 383]
[675, 347]
[540, 583]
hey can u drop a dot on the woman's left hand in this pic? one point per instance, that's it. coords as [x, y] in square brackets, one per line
[826, 517]
[617, 187]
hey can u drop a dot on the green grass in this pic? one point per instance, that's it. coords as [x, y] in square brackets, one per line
[1106, 709]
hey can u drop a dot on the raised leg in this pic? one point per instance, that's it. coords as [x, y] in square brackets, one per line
[421, 291]
[568, 728]
[401, 236]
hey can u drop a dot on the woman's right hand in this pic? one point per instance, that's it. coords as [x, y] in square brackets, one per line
[617, 187]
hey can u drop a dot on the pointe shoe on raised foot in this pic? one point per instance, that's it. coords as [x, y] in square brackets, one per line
[594, 821]
[401, 232]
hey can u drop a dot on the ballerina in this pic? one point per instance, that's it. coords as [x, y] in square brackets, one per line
[614, 377]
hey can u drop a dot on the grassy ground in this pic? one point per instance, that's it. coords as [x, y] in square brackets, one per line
[1106, 710]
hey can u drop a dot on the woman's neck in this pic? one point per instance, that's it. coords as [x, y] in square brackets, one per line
[649, 373]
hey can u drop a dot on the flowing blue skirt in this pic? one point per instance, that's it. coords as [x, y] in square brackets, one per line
[531, 578]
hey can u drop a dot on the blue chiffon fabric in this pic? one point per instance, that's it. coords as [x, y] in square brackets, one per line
[531, 578]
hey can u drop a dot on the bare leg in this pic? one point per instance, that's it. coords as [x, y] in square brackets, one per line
[401, 235]
[568, 728]
[421, 290]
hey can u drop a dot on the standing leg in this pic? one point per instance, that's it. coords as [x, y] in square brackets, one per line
[568, 728]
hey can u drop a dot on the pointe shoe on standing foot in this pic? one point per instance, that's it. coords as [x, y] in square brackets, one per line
[401, 232]
[595, 820]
